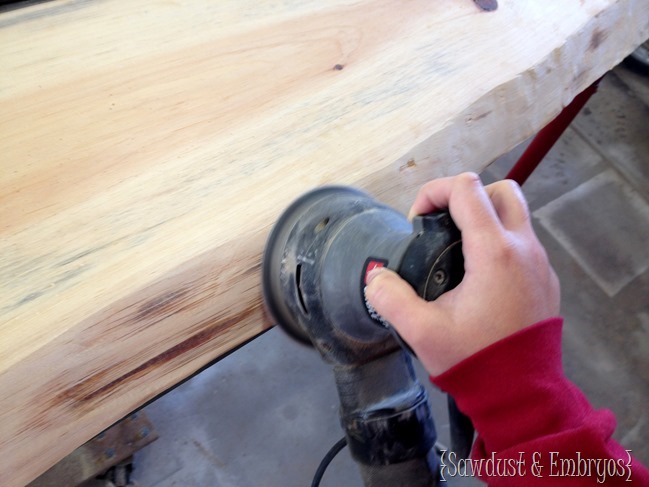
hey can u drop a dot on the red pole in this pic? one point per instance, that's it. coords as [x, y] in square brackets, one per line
[548, 136]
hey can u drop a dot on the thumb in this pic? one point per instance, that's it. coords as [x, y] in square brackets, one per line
[396, 301]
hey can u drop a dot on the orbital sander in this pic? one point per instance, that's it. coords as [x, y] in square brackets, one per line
[314, 274]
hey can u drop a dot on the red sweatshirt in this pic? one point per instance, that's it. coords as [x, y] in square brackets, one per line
[534, 426]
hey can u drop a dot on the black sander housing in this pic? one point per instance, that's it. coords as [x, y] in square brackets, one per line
[315, 267]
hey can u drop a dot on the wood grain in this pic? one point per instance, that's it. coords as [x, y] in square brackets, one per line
[147, 147]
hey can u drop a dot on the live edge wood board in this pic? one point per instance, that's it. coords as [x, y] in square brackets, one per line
[147, 147]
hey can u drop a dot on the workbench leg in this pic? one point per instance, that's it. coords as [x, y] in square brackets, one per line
[548, 136]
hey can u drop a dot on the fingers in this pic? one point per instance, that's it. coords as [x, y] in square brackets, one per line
[397, 302]
[510, 205]
[436, 194]
[473, 205]
[466, 199]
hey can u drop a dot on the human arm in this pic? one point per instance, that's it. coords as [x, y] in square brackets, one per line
[493, 342]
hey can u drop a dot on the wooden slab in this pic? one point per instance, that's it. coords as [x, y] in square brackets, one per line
[147, 147]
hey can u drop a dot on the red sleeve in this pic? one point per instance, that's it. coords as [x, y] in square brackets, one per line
[534, 426]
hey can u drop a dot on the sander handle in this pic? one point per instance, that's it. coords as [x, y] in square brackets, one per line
[433, 264]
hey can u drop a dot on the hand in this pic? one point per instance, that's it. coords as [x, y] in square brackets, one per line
[508, 282]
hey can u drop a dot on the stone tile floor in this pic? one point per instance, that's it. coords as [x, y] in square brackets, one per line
[265, 415]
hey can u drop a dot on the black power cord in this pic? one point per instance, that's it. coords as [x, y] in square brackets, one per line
[327, 460]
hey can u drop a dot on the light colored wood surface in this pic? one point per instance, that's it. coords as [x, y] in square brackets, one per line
[147, 147]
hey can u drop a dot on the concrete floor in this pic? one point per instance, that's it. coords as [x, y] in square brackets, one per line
[265, 415]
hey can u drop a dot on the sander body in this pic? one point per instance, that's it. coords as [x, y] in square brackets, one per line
[314, 273]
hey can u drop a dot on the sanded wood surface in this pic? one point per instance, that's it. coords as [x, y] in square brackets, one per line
[147, 147]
